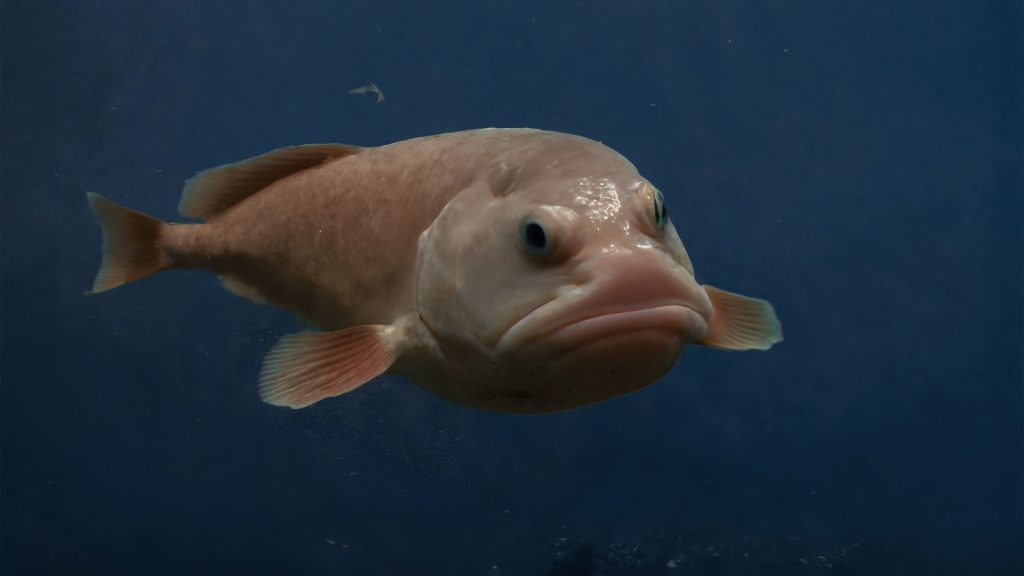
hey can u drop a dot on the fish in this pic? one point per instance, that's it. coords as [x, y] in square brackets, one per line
[507, 269]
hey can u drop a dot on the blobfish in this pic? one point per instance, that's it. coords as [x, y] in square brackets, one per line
[515, 270]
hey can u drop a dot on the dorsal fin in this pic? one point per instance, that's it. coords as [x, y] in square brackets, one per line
[213, 191]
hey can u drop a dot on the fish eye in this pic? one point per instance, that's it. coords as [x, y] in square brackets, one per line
[533, 238]
[657, 213]
[549, 233]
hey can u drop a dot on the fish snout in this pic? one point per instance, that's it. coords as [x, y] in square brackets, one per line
[637, 279]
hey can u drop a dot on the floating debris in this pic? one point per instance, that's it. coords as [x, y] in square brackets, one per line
[370, 88]
[576, 556]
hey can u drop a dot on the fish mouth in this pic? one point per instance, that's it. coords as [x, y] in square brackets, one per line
[641, 294]
[674, 319]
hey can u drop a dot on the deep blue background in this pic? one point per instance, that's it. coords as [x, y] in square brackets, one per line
[857, 163]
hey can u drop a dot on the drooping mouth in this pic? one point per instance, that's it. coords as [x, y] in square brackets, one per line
[539, 330]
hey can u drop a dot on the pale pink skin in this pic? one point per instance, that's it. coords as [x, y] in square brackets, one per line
[424, 235]
[609, 314]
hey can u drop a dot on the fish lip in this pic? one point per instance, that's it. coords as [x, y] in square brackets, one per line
[674, 316]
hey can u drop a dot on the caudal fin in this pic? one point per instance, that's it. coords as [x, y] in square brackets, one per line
[131, 244]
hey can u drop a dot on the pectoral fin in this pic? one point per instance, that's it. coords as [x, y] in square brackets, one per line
[740, 322]
[307, 367]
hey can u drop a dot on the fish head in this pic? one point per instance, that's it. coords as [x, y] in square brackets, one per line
[557, 289]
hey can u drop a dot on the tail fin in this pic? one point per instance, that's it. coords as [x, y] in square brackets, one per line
[131, 244]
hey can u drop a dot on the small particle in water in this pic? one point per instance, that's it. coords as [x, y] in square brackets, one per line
[369, 88]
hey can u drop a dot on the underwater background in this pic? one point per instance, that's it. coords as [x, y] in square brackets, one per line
[858, 164]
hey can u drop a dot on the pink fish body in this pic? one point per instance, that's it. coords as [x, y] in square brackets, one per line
[510, 269]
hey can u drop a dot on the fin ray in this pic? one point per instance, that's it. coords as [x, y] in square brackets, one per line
[740, 322]
[304, 368]
[131, 244]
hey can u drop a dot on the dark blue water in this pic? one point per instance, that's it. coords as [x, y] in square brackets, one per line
[856, 163]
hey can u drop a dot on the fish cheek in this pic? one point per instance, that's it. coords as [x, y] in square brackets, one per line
[456, 262]
[474, 281]
[676, 248]
[501, 284]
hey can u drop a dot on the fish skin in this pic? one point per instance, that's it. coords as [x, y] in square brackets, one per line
[418, 242]
[335, 244]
